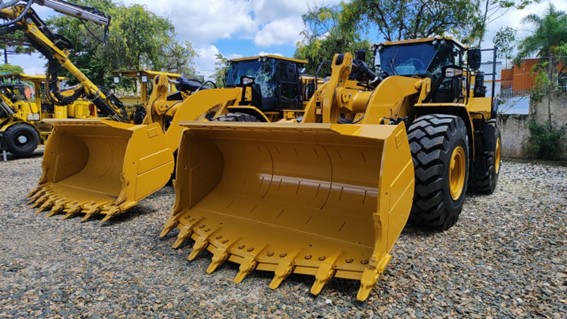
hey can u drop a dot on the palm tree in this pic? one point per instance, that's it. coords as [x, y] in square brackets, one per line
[548, 40]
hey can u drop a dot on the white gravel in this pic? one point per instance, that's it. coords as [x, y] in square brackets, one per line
[505, 258]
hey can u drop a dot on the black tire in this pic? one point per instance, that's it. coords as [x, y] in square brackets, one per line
[21, 139]
[237, 117]
[139, 115]
[435, 141]
[486, 166]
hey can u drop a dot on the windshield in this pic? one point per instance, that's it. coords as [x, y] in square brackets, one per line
[261, 71]
[416, 59]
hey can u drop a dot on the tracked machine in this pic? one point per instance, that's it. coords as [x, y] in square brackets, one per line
[329, 196]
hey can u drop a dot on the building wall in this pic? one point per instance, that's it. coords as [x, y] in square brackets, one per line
[521, 78]
[515, 131]
[514, 134]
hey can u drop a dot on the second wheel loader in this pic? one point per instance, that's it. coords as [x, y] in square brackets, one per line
[105, 167]
[22, 122]
[329, 196]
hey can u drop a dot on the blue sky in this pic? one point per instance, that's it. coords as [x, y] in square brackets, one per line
[250, 27]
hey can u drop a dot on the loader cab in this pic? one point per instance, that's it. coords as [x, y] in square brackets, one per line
[275, 81]
[440, 58]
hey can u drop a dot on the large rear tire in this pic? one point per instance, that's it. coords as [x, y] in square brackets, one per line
[486, 167]
[21, 139]
[440, 151]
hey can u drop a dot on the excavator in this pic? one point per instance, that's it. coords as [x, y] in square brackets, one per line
[328, 196]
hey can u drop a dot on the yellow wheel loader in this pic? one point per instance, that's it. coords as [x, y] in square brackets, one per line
[105, 167]
[131, 162]
[329, 196]
[22, 126]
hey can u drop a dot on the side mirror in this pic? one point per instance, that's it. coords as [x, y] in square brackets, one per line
[452, 71]
[473, 58]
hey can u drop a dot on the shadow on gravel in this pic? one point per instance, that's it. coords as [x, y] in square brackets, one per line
[11, 157]
[416, 231]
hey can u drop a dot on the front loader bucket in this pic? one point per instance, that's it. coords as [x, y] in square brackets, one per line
[327, 200]
[101, 167]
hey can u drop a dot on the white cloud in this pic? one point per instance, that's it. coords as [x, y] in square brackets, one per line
[282, 31]
[203, 22]
[513, 18]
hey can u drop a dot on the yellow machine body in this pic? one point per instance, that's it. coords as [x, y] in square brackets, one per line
[101, 166]
[315, 198]
[106, 167]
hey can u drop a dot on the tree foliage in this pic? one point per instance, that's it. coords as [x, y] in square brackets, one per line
[495, 9]
[548, 41]
[505, 41]
[221, 67]
[328, 31]
[549, 36]
[14, 43]
[409, 19]
[136, 39]
[9, 68]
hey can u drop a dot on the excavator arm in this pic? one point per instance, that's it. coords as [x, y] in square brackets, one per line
[20, 16]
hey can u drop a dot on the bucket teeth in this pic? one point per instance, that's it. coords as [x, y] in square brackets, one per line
[70, 213]
[34, 191]
[40, 201]
[367, 282]
[113, 211]
[71, 209]
[57, 207]
[220, 255]
[246, 267]
[169, 226]
[90, 210]
[48, 203]
[200, 244]
[324, 273]
[87, 217]
[284, 269]
[184, 233]
[37, 194]
[218, 259]
[370, 276]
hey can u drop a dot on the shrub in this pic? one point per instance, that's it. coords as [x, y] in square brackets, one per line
[544, 141]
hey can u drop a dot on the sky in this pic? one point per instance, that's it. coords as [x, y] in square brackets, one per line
[237, 28]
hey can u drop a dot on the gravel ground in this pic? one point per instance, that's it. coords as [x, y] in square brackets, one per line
[505, 258]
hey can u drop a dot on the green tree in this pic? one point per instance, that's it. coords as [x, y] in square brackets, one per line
[505, 41]
[221, 66]
[495, 9]
[136, 39]
[548, 41]
[328, 31]
[409, 19]
[9, 68]
[14, 43]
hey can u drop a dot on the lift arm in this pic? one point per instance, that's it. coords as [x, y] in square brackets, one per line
[56, 48]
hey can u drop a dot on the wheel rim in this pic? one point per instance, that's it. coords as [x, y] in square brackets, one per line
[457, 172]
[22, 139]
[497, 157]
